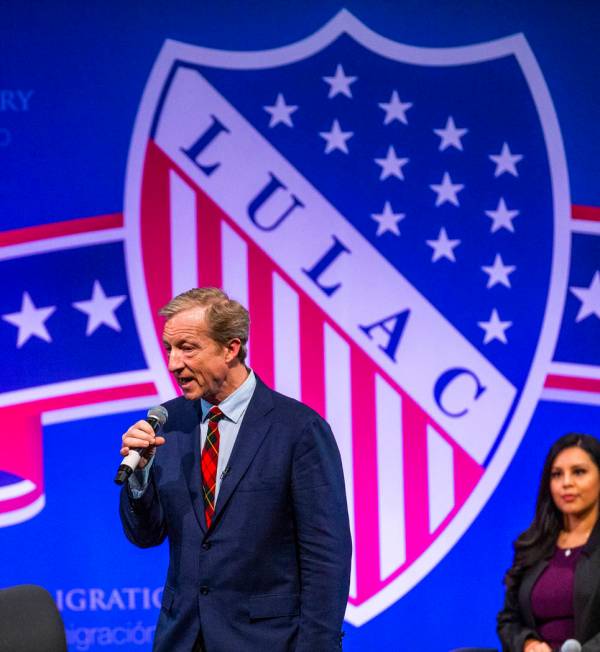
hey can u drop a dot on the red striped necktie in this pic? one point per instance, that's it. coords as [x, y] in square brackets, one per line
[209, 462]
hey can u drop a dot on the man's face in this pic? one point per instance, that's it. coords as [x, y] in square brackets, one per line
[201, 366]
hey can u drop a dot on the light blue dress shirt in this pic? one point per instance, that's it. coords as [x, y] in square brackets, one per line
[233, 407]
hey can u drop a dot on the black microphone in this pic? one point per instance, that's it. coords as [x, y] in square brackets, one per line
[571, 645]
[156, 417]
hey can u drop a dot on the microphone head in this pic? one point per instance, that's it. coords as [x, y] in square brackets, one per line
[571, 645]
[159, 414]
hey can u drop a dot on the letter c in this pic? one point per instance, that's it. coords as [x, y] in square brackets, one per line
[447, 378]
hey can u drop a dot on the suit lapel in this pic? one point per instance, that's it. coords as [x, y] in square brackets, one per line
[587, 577]
[255, 425]
[190, 460]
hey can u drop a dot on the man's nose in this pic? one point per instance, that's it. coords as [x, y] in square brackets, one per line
[174, 360]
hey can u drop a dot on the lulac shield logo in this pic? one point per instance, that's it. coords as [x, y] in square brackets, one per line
[395, 219]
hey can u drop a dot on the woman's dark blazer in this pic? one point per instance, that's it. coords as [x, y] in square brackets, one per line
[516, 622]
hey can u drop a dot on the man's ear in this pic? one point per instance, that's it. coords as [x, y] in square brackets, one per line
[232, 348]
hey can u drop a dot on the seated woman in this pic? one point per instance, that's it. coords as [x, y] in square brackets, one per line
[553, 586]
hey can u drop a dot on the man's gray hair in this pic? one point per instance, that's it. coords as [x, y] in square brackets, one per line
[225, 318]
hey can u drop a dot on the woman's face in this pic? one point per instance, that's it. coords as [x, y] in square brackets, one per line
[575, 482]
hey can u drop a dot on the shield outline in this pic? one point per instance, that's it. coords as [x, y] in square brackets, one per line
[345, 23]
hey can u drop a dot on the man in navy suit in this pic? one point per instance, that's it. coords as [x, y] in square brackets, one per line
[247, 487]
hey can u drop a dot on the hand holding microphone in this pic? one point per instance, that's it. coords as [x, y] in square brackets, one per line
[140, 442]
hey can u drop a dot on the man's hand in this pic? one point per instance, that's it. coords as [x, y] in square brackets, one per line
[141, 436]
[531, 645]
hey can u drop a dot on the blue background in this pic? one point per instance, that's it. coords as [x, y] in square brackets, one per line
[87, 64]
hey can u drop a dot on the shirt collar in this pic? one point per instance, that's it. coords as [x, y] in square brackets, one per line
[234, 406]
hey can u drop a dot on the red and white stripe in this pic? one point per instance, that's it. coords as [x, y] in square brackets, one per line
[572, 383]
[585, 219]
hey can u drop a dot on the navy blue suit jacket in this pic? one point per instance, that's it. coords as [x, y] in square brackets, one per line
[271, 574]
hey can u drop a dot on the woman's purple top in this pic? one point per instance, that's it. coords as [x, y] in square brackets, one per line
[552, 598]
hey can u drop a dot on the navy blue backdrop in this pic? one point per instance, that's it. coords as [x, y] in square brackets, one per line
[72, 82]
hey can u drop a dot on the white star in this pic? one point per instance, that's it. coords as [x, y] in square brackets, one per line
[506, 162]
[100, 309]
[498, 272]
[336, 138]
[494, 328]
[589, 297]
[391, 165]
[280, 112]
[387, 220]
[502, 217]
[446, 190]
[450, 135]
[339, 83]
[395, 109]
[443, 247]
[30, 321]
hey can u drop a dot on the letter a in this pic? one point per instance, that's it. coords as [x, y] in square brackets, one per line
[394, 332]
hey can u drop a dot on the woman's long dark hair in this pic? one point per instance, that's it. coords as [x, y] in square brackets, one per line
[539, 539]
